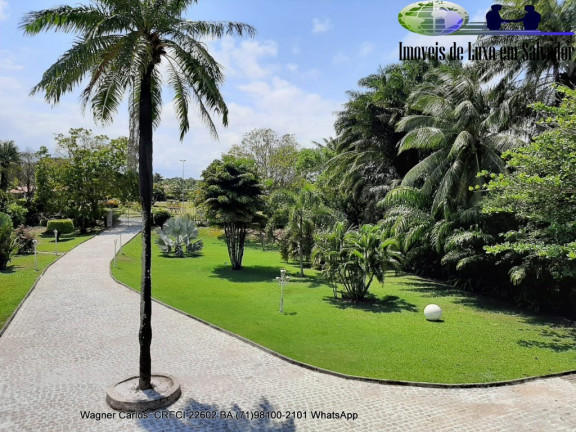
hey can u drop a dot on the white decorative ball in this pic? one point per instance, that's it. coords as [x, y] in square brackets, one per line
[433, 312]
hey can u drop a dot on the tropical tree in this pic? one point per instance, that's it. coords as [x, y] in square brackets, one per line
[27, 173]
[355, 258]
[120, 46]
[7, 243]
[231, 193]
[305, 214]
[367, 164]
[463, 132]
[531, 74]
[541, 192]
[9, 157]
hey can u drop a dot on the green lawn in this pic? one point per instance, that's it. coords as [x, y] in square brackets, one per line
[18, 278]
[479, 341]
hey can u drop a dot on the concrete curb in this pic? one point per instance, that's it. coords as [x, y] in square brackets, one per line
[145, 402]
[342, 375]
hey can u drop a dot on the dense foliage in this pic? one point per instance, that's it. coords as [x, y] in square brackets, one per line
[355, 258]
[89, 170]
[7, 243]
[231, 192]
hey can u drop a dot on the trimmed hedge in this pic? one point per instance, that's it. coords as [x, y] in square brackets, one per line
[64, 226]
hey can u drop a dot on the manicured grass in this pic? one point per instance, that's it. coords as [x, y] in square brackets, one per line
[479, 341]
[19, 277]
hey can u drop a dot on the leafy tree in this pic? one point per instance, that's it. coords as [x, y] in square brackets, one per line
[27, 173]
[275, 157]
[541, 191]
[354, 258]
[120, 45]
[231, 192]
[91, 169]
[9, 157]
[178, 235]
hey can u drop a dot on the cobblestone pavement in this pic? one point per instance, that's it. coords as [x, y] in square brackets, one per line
[77, 334]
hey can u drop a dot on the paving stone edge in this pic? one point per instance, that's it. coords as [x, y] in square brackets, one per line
[339, 374]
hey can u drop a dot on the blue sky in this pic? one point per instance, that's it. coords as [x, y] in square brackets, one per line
[292, 77]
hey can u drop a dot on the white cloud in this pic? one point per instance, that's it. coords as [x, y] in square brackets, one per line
[4, 9]
[286, 108]
[292, 67]
[8, 61]
[246, 59]
[365, 49]
[340, 58]
[321, 25]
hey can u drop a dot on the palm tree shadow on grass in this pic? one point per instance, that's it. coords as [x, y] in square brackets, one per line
[558, 341]
[560, 334]
[247, 274]
[430, 289]
[10, 269]
[373, 304]
[259, 273]
[220, 418]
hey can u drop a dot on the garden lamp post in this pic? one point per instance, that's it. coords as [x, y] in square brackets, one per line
[283, 279]
[35, 243]
[56, 240]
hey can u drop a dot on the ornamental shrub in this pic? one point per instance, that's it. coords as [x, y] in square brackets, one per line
[17, 213]
[24, 240]
[160, 216]
[64, 226]
[179, 235]
[7, 243]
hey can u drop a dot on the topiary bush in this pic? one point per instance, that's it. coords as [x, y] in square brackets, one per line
[160, 216]
[64, 226]
[24, 240]
[7, 243]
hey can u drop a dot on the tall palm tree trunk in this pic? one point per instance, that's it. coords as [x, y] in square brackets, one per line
[146, 176]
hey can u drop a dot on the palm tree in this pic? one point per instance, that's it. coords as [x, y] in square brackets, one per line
[367, 161]
[535, 75]
[232, 195]
[9, 156]
[306, 213]
[463, 132]
[120, 46]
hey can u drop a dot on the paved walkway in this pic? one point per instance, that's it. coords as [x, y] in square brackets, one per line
[77, 334]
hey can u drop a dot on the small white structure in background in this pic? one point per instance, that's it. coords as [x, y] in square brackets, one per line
[433, 312]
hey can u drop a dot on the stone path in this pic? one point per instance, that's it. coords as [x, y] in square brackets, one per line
[77, 334]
